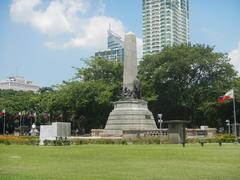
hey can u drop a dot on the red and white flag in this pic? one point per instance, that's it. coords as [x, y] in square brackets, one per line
[227, 96]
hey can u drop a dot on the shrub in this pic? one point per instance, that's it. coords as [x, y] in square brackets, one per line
[144, 140]
[98, 141]
[58, 142]
[27, 140]
[124, 141]
[226, 138]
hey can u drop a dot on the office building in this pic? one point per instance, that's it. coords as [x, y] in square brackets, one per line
[115, 49]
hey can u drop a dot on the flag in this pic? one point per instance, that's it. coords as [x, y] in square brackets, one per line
[227, 96]
[2, 112]
[221, 99]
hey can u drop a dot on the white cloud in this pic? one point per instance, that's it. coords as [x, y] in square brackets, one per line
[22, 11]
[234, 55]
[69, 20]
[57, 18]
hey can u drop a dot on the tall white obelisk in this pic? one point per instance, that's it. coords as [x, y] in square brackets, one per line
[130, 61]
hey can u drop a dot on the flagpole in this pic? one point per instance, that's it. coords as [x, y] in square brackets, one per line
[235, 119]
[20, 123]
[4, 123]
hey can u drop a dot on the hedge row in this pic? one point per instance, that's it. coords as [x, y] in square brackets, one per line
[56, 142]
[224, 138]
[27, 140]
[139, 140]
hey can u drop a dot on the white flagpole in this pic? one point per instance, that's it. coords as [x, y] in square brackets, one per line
[235, 119]
[20, 123]
[4, 122]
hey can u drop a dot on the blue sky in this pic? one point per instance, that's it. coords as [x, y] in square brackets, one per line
[42, 40]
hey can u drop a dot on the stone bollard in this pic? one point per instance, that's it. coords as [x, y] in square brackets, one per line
[220, 143]
[183, 144]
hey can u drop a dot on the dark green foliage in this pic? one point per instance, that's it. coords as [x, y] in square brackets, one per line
[99, 69]
[183, 82]
[124, 141]
[98, 141]
[58, 142]
[144, 140]
[86, 101]
[223, 138]
[21, 140]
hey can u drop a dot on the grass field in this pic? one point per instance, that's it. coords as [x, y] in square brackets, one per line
[120, 162]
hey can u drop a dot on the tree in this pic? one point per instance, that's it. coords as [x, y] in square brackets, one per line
[99, 69]
[87, 99]
[15, 102]
[182, 81]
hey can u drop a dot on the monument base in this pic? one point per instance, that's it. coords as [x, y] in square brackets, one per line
[129, 117]
[176, 131]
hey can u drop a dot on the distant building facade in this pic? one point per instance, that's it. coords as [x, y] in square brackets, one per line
[165, 23]
[18, 83]
[114, 40]
[111, 54]
[115, 47]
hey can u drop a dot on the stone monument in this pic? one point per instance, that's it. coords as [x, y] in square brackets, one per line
[130, 116]
[57, 130]
[176, 131]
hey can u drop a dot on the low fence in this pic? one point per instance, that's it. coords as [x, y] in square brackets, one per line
[190, 133]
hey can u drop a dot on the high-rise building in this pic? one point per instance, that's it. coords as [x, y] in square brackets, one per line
[165, 23]
[114, 40]
[115, 49]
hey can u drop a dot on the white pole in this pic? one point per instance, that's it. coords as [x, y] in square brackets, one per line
[20, 119]
[235, 119]
[4, 123]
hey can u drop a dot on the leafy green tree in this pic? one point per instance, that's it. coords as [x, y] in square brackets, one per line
[86, 101]
[99, 69]
[18, 101]
[182, 81]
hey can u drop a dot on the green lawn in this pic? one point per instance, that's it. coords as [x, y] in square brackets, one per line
[120, 162]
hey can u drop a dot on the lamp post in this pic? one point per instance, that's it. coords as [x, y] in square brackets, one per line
[228, 124]
[160, 123]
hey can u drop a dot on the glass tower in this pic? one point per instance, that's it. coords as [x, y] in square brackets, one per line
[115, 48]
[165, 23]
[114, 40]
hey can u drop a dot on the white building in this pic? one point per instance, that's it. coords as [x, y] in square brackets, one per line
[165, 23]
[18, 83]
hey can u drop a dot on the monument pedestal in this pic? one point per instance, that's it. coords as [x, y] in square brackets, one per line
[129, 117]
[176, 131]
